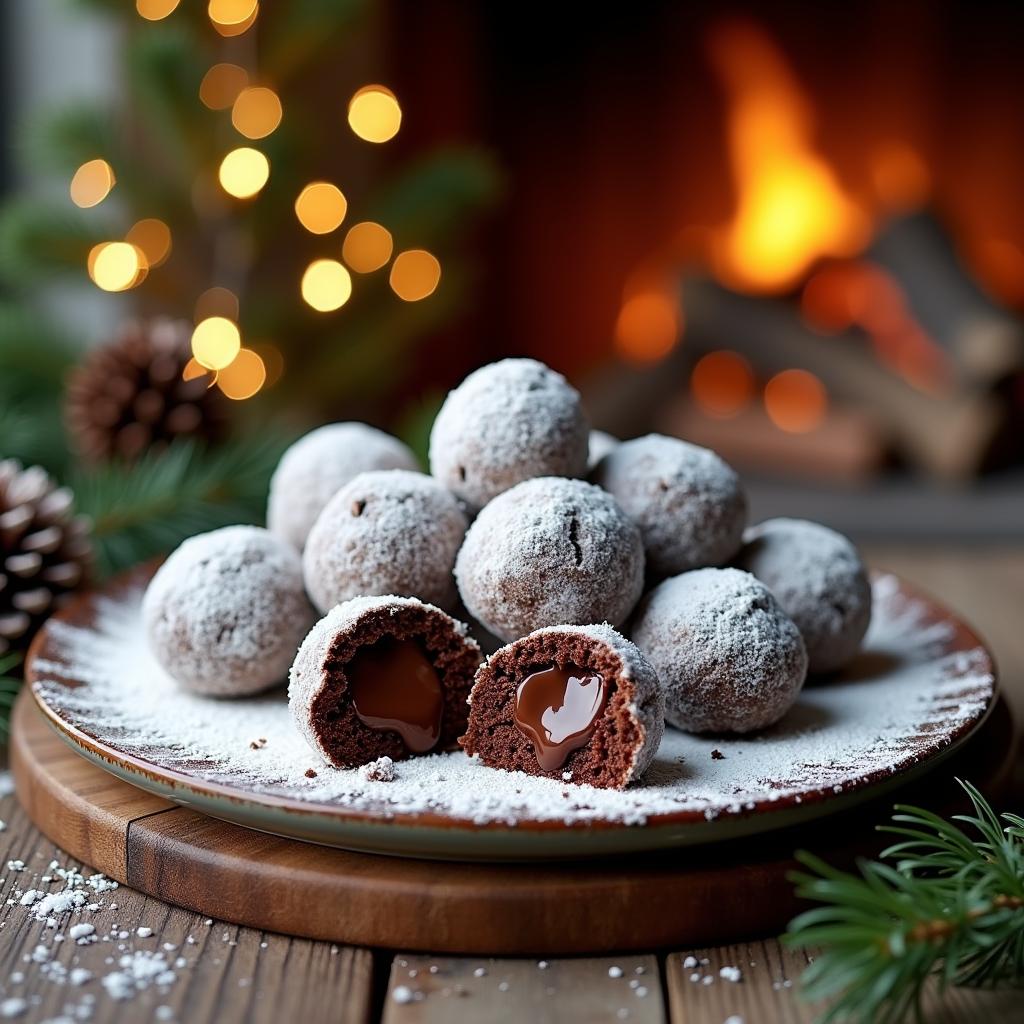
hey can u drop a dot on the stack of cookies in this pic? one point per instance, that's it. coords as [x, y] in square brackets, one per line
[615, 587]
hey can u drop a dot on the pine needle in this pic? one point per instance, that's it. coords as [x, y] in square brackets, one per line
[947, 902]
[151, 506]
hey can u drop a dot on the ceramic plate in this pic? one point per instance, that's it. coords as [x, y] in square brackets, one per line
[923, 683]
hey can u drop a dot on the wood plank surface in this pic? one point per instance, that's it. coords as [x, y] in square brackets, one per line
[225, 974]
[603, 990]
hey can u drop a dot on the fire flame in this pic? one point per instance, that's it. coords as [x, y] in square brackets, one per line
[791, 210]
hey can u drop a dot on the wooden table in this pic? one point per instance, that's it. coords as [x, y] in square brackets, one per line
[229, 974]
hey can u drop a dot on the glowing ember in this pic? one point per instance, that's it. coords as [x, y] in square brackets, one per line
[648, 327]
[790, 210]
[722, 383]
[795, 401]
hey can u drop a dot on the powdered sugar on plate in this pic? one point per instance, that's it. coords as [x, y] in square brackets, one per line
[910, 694]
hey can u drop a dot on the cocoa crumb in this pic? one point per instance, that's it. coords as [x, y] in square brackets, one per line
[717, 755]
[310, 773]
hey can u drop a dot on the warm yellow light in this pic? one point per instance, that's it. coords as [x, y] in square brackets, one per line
[415, 274]
[194, 369]
[155, 10]
[237, 28]
[790, 208]
[367, 247]
[217, 302]
[231, 12]
[795, 401]
[647, 327]
[256, 112]
[321, 207]
[153, 237]
[116, 266]
[221, 85]
[215, 342]
[244, 376]
[722, 383]
[326, 285]
[92, 183]
[374, 113]
[243, 172]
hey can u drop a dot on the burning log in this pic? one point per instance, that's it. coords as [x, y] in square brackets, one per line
[950, 433]
[983, 341]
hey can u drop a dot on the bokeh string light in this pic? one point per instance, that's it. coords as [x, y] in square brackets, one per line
[221, 85]
[415, 274]
[153, 238]
[374, 114]
[155, 10]
[116, 266]
[722, 383]
[326, 285]
[92, 183]
[256, 112]
[795, 401]
[215, 342]
[244, 172]
[321, 207]
[647, 327]
[243, 376]
[367, 247]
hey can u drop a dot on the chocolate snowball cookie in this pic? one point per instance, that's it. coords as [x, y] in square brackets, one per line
[819, 579]
[728, 657]
[385, 532]
[688, 503]
[313, 469]
[226, 612]
[382, 676]
[573, 703]
[549, 552]
[599, 446]
[505, 423]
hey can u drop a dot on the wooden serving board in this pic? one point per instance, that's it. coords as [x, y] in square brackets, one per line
[637, 902]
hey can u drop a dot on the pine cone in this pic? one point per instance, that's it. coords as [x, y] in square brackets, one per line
[129, 396]
[45, 552]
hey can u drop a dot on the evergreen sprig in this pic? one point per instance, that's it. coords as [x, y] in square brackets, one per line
[945, 902]
[150, 507]
[10, 684]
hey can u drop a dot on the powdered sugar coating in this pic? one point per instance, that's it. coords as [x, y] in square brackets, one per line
[909, 696]
[505, 423]
[226, 612]
[688, 503]
[385, 532]
[550, 552]
[313, 469]
[599, 446]
[819, 579]
[309, 673]
[728, 656]
[647, 702]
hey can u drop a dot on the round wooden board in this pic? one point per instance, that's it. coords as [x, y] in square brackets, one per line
[680, 898]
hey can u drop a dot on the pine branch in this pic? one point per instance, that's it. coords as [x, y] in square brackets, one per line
[150, 507]
[951, 906]
[39, 240]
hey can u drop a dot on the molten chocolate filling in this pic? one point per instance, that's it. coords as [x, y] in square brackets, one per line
[394, 686]
[557, 710]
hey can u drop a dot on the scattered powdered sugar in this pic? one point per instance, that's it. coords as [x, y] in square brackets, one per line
[906, 696]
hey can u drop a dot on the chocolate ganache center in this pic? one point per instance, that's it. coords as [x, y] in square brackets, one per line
[557, 709]
[394, 686]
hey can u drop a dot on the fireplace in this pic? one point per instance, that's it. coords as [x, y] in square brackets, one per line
[789, 231]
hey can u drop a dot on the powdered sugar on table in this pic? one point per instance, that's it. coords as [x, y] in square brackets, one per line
[909, 694]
